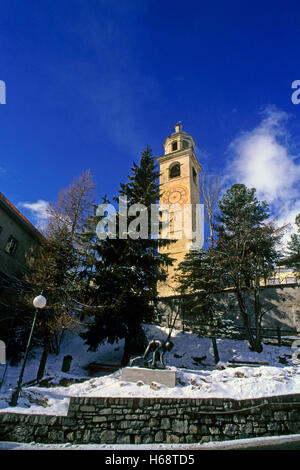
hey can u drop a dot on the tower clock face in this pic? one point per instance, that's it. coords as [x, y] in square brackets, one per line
[175, 195]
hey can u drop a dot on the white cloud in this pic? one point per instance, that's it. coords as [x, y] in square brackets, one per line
[262, 159]
[38, 211]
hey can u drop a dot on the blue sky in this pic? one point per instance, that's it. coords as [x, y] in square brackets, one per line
[91, 82]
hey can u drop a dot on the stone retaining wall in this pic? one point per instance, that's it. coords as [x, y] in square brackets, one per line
[156, 420]
[280, 302]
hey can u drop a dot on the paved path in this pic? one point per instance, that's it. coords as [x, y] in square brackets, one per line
[291, 442]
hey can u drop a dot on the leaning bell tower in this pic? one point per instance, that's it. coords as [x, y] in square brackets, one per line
[179, 184]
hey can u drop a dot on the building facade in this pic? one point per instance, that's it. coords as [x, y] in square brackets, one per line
[18, 239]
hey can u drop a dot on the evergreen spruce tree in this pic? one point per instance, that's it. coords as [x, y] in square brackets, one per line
[245, 253]
[199, 281]
[52, 274]
[128, 269]
[87, 244]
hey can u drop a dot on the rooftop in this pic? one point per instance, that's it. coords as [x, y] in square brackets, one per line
[17, 214]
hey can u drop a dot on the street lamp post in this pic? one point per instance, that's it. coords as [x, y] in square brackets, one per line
[38, 302]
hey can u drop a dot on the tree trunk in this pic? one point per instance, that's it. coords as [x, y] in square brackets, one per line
[245, 318]
[216, 352]
[126, 352]
[211, 231]
[44, 357]
[257, 311]
[135, 343]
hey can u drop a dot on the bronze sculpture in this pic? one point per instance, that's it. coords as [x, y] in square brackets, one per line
[157, 348]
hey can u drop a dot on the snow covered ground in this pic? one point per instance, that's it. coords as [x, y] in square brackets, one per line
[195, 378]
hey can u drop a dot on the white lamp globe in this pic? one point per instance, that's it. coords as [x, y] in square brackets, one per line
[39, 301]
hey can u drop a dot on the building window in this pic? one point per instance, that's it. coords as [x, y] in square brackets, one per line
[174, 145]
[290, 280]
[274, 281]
[11, 245]
[194, 175]
[174, 170]
[185, 144]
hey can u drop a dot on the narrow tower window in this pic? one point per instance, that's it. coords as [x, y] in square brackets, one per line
[174, 170]
[194, 175]
[174, 145]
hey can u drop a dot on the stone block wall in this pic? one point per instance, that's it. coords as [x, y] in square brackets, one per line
[156, 420]
[280, 302]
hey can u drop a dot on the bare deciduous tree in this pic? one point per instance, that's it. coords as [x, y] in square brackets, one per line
[56, 269]
[210, 189]
[75, 204]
